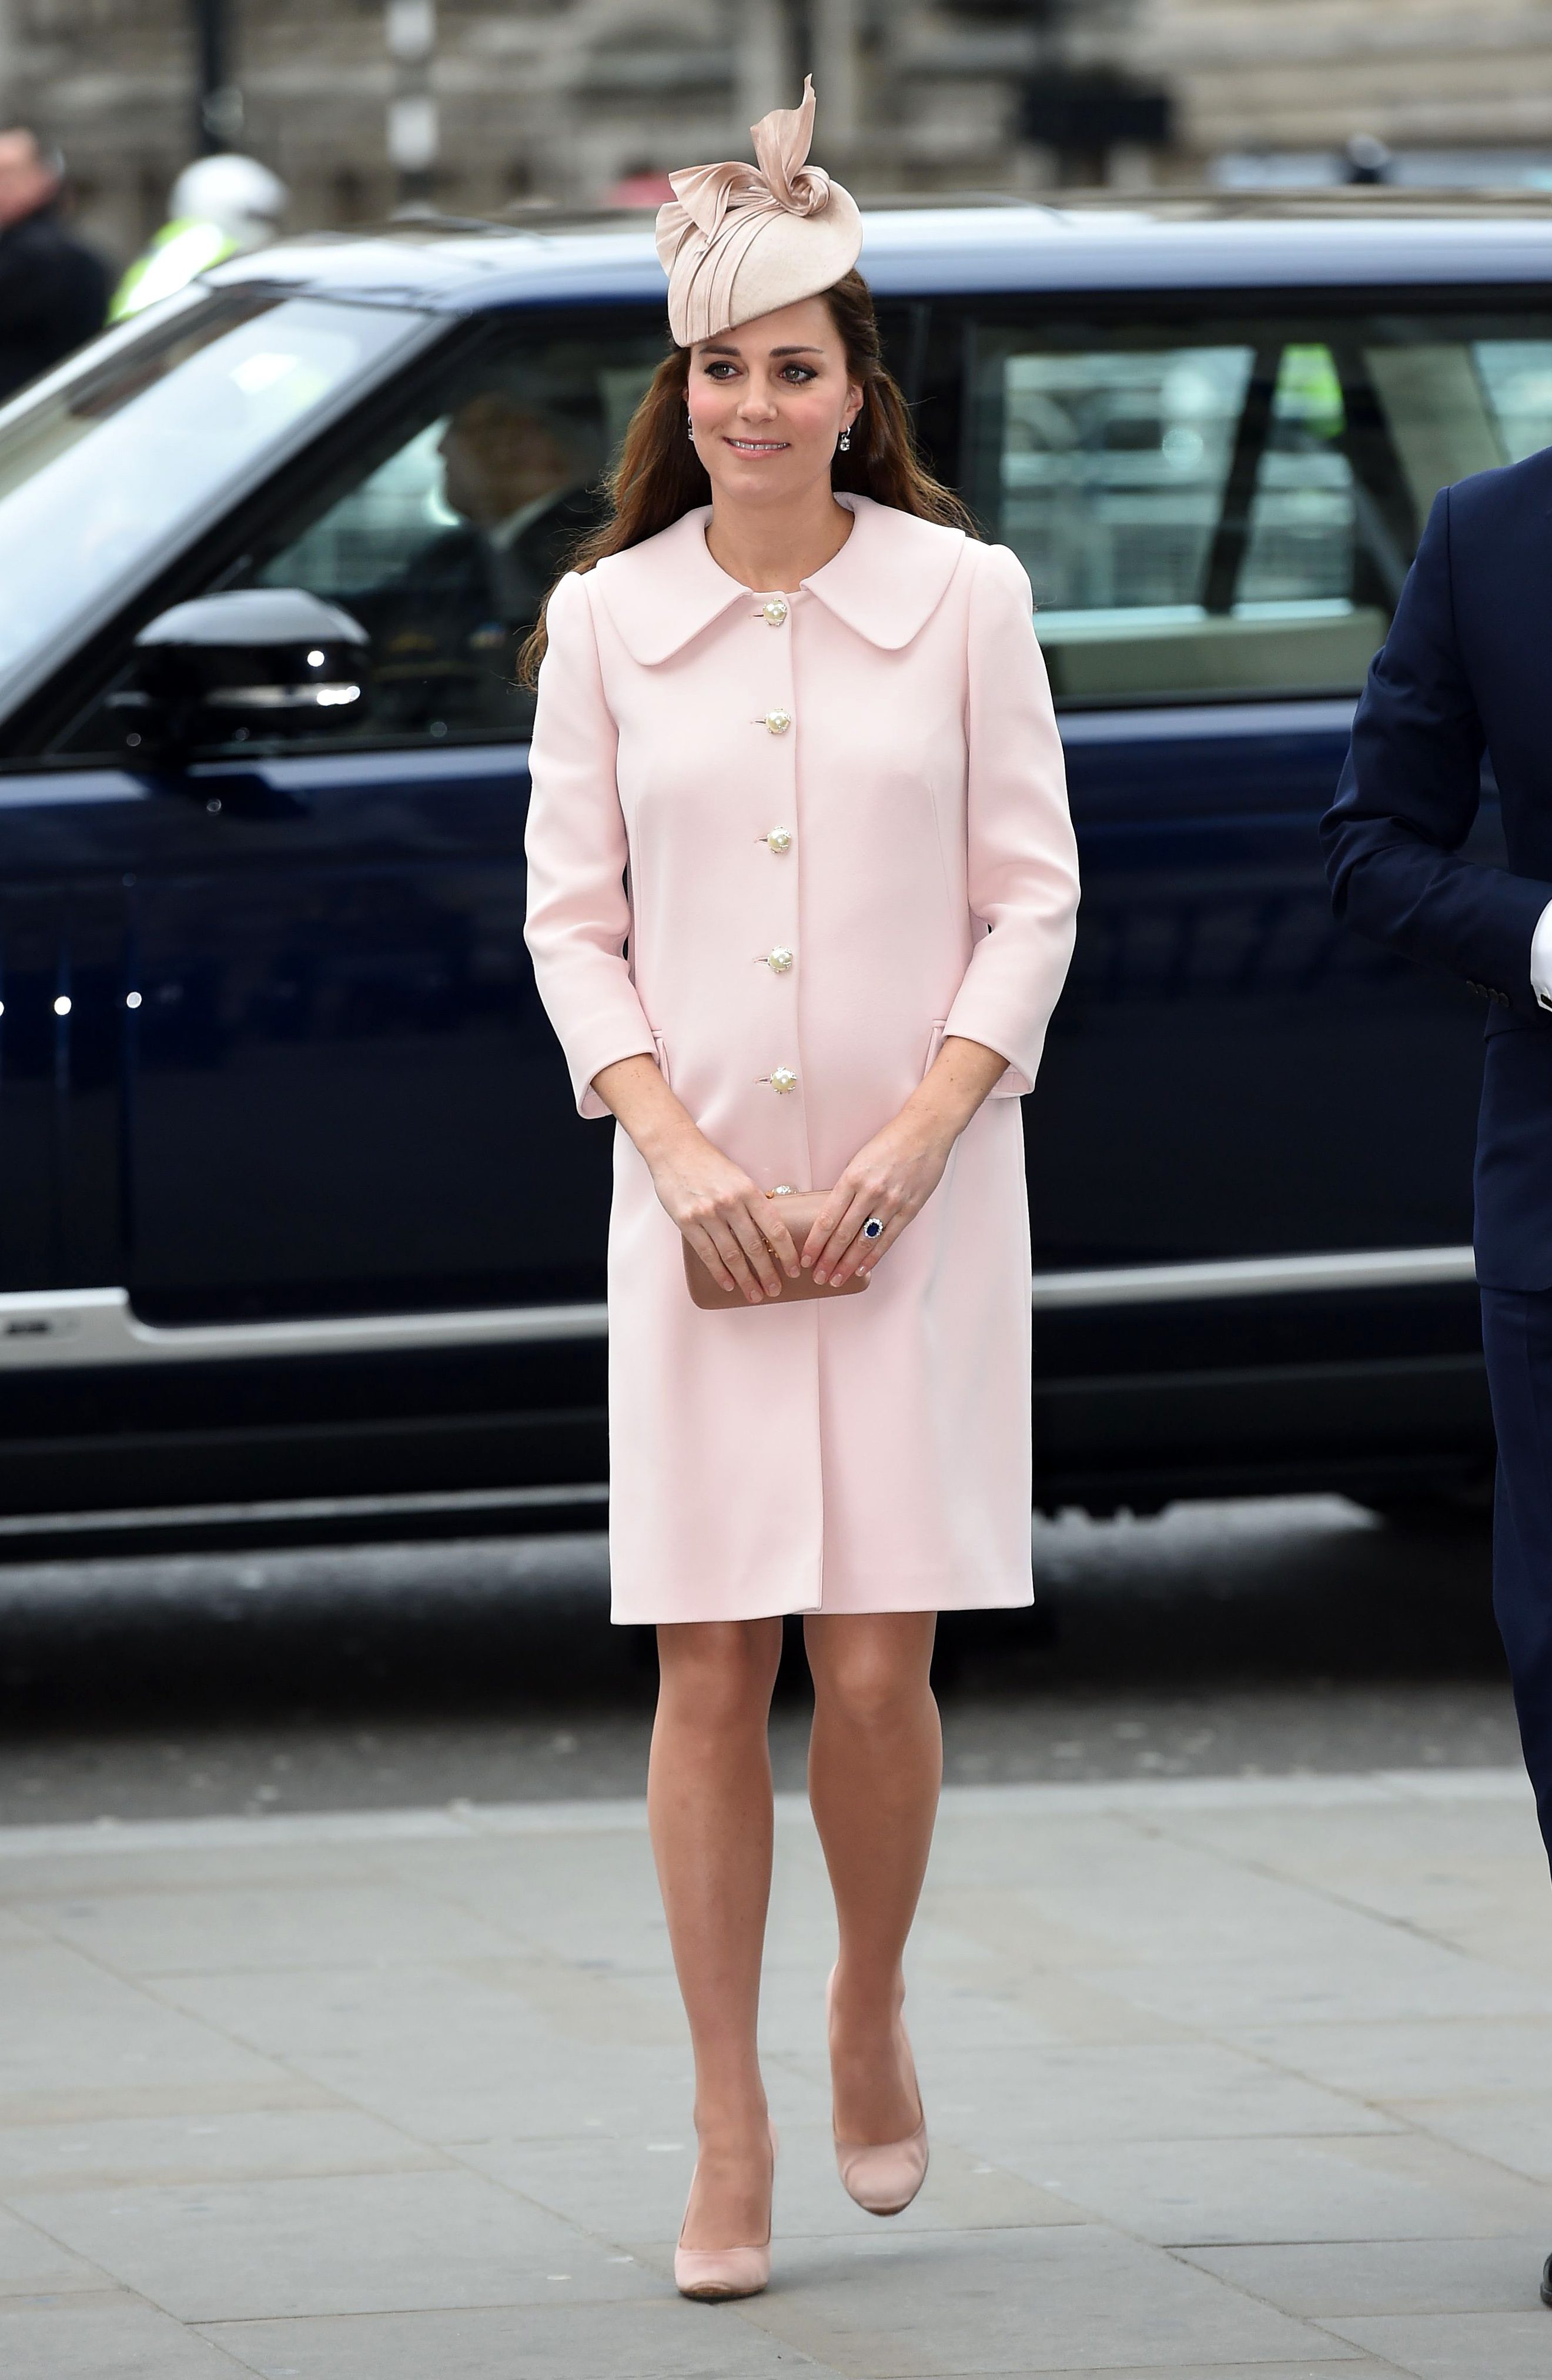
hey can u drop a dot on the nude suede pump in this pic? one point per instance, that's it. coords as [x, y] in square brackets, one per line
[885, 2176]
[710, 2274]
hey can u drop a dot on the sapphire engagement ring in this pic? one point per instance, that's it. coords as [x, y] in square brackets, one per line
[872, 1229]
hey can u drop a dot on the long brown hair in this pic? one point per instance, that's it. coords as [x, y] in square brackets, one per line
[658, 476]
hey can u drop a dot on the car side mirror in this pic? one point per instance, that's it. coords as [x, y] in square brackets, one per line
[251, 662]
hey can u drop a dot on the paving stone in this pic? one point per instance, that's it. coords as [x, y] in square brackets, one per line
[1173, 2090]
[1357, 2367]
[117, 2339]
[1077, 2299]
[1457, 2347]
[958, 1996]
[122, 2102]
[663, 2339]
[1470, 1874]
[369, 2243]
[448, 2055]
[309, 1836]
[1458, 1828]
[1393, 2059]
[1513, 2131]
[355, 2005]
[1164, 1901]
[1334, 2278]
[70, 2025]
[1456, 1786]
[635, 2191]
[1210, 2193]
[181, 1857]
[246, 2144]
[33, 2264]
[1001, 1835]
[1399, 1972]
[600, 1908]
[287, 1923]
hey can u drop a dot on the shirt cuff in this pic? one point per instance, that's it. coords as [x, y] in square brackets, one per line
[1541, 958]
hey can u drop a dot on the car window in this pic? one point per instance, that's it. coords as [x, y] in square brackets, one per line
[443, 531]
[1229, 508]
[107, 466]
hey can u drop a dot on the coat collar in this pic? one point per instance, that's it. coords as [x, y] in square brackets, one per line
[885, 583]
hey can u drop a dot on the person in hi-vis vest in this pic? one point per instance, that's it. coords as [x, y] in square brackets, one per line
[219, 207]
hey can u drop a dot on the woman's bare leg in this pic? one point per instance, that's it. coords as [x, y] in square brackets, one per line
[709, 1805]
[875, 1766]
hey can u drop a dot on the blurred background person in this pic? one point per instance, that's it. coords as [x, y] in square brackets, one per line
[218, 207]
[53, 289]
[514, 476]
[521, 479]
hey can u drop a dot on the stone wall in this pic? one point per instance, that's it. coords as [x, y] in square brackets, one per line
[1308, 74]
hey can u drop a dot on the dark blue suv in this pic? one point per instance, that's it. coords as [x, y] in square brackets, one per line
[294, 1206]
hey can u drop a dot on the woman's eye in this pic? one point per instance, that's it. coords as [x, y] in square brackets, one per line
[799, 372]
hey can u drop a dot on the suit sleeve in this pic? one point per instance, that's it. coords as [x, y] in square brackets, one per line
[1408, 795]
[1022, 856]
[578, 915]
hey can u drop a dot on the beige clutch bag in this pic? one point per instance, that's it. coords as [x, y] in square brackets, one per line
[798, 1211]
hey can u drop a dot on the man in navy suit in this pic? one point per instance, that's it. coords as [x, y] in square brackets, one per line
[1466, 670]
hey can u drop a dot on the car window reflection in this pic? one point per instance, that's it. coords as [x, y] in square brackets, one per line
[105, 467]
[446, 555]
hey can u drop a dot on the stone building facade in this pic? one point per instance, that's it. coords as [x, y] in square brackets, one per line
[560, 99]
[1440, 78]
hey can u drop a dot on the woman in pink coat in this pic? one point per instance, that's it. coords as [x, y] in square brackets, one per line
[802, 886]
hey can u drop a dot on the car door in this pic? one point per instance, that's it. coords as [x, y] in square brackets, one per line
[62, 1147]
[1217, 505]
[105, 467]
[345, 1099]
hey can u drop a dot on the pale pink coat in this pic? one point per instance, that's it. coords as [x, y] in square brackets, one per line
[871, 1455]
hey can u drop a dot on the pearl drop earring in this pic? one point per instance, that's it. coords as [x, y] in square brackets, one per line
[846, 441]
[689, 425]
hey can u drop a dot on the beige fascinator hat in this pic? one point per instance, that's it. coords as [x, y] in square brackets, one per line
[739, 240]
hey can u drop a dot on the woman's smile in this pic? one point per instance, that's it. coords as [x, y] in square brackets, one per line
[757, 445]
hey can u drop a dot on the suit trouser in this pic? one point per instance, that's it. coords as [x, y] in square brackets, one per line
[1517, 1337]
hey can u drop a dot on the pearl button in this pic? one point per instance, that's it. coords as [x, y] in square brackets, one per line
[778, 961]
[777, 722]
[782, 1078]
[775, 612]
[780, 839]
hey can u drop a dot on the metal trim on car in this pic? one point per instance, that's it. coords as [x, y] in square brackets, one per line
[42, 1328]
[1180, 1284]
[1238, 717]
[281, 1513]
[81, 1327]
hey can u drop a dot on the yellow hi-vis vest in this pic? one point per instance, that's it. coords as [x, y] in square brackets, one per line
[180, 250]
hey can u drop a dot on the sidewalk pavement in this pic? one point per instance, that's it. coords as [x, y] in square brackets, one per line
[1232, 2076]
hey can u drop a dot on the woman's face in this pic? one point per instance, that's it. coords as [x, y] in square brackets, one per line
[769, 401]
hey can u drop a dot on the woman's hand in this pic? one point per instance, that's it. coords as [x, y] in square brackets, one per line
[725, 1217]
[895, 1174]
[891, 1176]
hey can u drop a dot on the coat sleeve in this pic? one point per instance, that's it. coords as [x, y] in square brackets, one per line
[1408, 795]
[1024, 860]
[578, 915]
